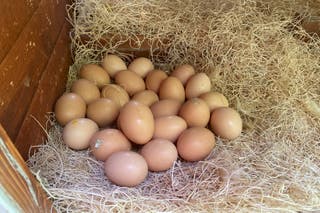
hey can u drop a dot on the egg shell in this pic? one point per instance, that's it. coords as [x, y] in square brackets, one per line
[146, 97]
[95, 74]
[195, 112]
[103, 111]
[154, 79]
[160, 154]
[115, 93]
[77, 133]
[197, 84]
[165, 107]
[183, 72]
[86, 89]
[130, 81]
[195, 143]
[68, 107]
[126, 168]
[113, 64]
[118, 123]
[136, 122]
[169, 127]
[214, 100]
[141, 66]
[105, 142]
[226, 123]
[172, 88]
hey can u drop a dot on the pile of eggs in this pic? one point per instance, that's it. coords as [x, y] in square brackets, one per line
[137, 118]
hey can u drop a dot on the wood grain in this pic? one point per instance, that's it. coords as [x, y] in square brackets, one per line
[22, 67]
[312, 25]
[127, 43]
[130, 45]
[51, 86]
[17, 182]
[15, 14]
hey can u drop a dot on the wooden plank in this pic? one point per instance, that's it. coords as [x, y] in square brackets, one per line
[130, 46]
[126, 44]
[19, 189]
[15, 14]
[51, 86]
[312, 25]
[22, 67]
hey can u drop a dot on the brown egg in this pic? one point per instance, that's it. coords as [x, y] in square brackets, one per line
[86, 89]
[68, 107]
[183, 72]
[141, 66]
[105, 142]
[160, 154]
[103, 111]
[77, 133]
[172, 88]
[126, 168]
[197, 84]
[116, 93]
[195, 112]
[130, 81]
[169, 127]
[146, 97]
[118, 123]
[136, 122]
[226, 123]
[113, 64]
[95, 74]
[214, 100]
[195, 143]
[165, 107]
[154, 79]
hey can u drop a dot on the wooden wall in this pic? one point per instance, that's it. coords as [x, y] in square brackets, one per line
[19, 190]
[34, 61]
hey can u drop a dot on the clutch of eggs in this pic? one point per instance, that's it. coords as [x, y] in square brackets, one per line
[136, 118]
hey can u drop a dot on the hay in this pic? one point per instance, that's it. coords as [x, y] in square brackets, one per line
[254, 54]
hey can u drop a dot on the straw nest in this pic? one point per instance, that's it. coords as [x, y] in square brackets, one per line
[258, 55]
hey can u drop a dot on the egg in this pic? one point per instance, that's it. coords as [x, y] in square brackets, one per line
[172, 88]
[141, 66]
[195, 112]
[130, 81]
[146, 97]
[169, 127]
[197, 84]
[160, 154]
[195, 143]
[214, 100]
[105, 142]
[86, 89]
[115, 93]
[103, 111]
[68, 107]
[95, 74]
[118, 123]
[154, 79]
[113, 64]
[183, 72]
[226, 123]
[165, 107]
[126, 168]
[77, 133]
[136, 122]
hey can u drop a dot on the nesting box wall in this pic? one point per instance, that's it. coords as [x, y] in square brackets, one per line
[34, 61]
